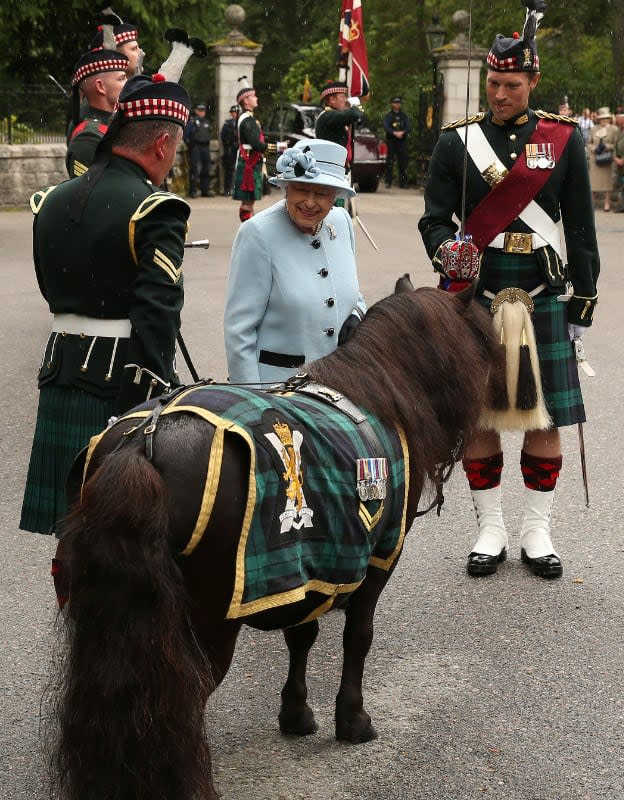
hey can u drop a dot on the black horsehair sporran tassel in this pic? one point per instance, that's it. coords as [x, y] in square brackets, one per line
[526, 392]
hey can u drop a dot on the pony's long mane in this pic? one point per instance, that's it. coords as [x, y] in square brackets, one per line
[419, 360]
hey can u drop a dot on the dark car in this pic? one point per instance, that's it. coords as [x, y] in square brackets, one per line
[291, 122]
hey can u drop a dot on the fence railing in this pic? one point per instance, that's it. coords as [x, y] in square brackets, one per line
[33, 114]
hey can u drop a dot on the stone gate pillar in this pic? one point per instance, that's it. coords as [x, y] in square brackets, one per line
[235, 55]
[452, 63]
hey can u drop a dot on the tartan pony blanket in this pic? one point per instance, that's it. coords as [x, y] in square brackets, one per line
[320, 505]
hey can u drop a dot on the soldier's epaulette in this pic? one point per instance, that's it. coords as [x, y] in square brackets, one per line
[152, 201]
[556, 117]
[459, 123]
[146, 206]
[39, 198]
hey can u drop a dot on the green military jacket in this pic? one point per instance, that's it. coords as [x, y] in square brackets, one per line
[84, 139]
[565, 196]
[121, 260]
[250, 132]
[334, 125]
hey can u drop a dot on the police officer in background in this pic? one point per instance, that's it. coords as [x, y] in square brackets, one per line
[229, 142]
[397, 126]
[100, 76]
[197, 141]
[526, 171]
[108, 249]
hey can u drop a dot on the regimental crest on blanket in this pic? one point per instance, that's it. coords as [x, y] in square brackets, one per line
[287, 444]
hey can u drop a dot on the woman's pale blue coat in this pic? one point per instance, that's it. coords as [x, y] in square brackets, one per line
[286, 296]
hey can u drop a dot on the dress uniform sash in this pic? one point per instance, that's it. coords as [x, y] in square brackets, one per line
[514, 190]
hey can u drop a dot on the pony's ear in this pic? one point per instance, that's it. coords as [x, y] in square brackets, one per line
[466, 296]
[404, 284]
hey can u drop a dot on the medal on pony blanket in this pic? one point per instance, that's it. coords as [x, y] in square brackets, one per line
[372, 474]
[460, 262]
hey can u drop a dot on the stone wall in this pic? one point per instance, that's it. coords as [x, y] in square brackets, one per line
[24, 168]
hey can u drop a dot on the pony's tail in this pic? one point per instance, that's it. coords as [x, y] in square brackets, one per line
[130, 704]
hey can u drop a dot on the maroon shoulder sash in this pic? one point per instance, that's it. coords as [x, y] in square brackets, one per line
[519, 187]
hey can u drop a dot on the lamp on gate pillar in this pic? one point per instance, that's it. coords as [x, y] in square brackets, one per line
[434, 36]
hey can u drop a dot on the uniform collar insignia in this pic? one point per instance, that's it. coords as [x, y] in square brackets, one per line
[521, 119]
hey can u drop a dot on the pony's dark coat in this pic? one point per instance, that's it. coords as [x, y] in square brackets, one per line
[147, 638]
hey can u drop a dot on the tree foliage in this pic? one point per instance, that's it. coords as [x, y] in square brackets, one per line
[580, 43]
[41, 37]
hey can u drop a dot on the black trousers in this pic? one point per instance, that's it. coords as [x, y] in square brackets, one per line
[228, 160]
[199, 163]
[397, 149]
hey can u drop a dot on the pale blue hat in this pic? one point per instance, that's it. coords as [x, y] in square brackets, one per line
[314, 161]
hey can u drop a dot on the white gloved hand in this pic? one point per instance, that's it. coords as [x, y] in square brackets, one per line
[576, 331]
[354, 101]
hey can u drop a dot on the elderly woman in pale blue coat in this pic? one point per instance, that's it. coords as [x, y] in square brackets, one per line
[293, 293]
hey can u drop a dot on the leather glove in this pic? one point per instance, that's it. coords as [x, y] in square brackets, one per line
[348, 328]
[576, 331]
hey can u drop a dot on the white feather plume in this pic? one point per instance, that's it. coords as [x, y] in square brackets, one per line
[172, 68]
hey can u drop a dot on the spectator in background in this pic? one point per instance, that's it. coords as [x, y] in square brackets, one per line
[619, 161]
[603, 138]
[585, 124]
[197, 141]
[229, 143]
[397, 126]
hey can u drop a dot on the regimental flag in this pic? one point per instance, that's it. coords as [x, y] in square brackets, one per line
[353, 58]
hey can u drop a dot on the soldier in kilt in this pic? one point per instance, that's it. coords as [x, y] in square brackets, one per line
[248, 176]
[126, 40]
[526, 170]
[100, 76]
[108, 249]
[113, 35]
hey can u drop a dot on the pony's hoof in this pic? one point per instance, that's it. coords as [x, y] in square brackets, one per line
[357, 731]
[300, 723]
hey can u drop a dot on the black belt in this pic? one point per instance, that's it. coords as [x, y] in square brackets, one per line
[302, 384]
[280, 359]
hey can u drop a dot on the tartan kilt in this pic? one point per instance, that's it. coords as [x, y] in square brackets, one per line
[559, 372]
[238, 193]
[66, 419]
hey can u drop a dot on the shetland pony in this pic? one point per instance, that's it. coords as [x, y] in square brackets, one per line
[147, 632]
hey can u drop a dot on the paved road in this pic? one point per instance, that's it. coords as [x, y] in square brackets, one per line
[506, 687]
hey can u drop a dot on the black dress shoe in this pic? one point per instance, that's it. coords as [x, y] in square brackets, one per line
[545, 566]
[480, 564]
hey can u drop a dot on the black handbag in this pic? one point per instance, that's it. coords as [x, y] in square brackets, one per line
[602, 156]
